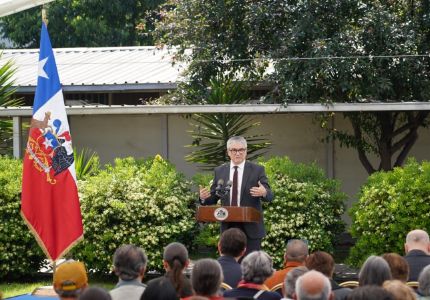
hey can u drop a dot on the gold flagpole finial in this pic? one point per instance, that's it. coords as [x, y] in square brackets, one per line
[44, 19]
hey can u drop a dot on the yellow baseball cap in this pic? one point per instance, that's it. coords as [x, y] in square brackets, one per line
[70, 271]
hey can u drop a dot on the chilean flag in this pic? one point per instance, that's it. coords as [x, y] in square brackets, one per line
[50, 203]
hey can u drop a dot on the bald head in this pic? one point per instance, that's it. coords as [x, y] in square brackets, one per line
[417, 240]
[313, 285]
[296, 250]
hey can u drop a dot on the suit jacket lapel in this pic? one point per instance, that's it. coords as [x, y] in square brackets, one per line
[226, 176]
[246, 172]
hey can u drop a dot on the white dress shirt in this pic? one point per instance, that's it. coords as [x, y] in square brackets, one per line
[240, 169]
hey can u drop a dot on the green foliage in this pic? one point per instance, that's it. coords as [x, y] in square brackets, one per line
[7, 72]
[20, 255]
[75, 23]
[306, 205]
[86, 164]
[145, 202]
[216, 129]
[390, 205]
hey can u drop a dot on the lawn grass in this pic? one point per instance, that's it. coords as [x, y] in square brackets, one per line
[11, 289]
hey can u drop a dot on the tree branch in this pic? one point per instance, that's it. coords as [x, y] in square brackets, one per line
[406, 139]
[361, 154]
[405, 151]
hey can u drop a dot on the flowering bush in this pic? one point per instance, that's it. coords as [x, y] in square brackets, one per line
[390, 205]
[19, 252]
[306, 205]
[144, 202]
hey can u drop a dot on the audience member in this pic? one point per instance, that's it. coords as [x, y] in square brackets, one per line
[198, 298]
[129, 263]
[206, 279]
[417, 249]
[399, 268]
[323, 262]
[313, 285]
[400, 290]
[370, 292]
[95, 293]
[70, 280]
[231, 247]
[175, 261]
[256, 268]
[160, 289]
[424, 283]
[296, 254]
[289, 287]
[374, 271]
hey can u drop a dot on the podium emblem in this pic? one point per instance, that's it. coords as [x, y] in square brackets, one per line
[221, 214]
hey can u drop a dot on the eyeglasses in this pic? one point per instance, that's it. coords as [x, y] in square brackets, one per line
[303, 240]
[234, 151]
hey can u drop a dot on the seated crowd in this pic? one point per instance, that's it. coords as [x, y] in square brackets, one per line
[304, 276]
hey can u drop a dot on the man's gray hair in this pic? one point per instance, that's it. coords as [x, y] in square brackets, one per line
[374, 271]
[129, 261]
[257, 267]
[296, 250]
[301, 290]
[424, 281]
[206, 277]
[69, 293]
[236, 139]
[290, 280]
[417, 237]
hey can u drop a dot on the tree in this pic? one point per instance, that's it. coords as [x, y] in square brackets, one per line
[77, 23]
[322, 51]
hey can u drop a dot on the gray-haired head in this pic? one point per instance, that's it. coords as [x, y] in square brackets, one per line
[374, 271]
[296, 250]
[313, 286]
[128, 262]
[417, 240]
[237, 139]
[424, 281]
[290, 281]
[206, 277]
[257, 267]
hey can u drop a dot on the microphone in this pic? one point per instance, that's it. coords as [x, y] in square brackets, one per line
[220, 184]
[228, 186]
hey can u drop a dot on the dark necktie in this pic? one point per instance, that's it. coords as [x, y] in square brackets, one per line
[234, 195]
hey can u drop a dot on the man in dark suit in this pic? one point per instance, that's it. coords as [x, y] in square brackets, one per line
[417, 249]
[249, 188]
[231, 247]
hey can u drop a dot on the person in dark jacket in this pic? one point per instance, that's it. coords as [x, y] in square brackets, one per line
[231, 247]
[323, 262]
[417, 249]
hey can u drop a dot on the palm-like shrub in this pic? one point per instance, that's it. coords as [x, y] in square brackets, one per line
[390, 205]
[145, 202]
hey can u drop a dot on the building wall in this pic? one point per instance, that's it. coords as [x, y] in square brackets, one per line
[294, 136]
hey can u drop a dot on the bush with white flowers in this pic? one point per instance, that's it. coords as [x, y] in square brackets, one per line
[20, 255]
[145, 202]
[390, 205]
[306, 205]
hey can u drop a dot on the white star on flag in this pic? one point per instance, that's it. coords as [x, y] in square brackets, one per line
[47, 143]
[41, 72]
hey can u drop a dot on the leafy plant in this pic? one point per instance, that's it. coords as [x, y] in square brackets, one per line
[306, 205]
[20, 255]
[86, 163]
[144, 202]
[390, 205]
[212, 131]
[7, 72]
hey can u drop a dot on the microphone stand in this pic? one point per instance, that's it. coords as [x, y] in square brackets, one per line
[223, 193]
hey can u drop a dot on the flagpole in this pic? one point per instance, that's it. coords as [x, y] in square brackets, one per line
[54, 268]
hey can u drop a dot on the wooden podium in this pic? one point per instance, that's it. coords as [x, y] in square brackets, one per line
[227, 214]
